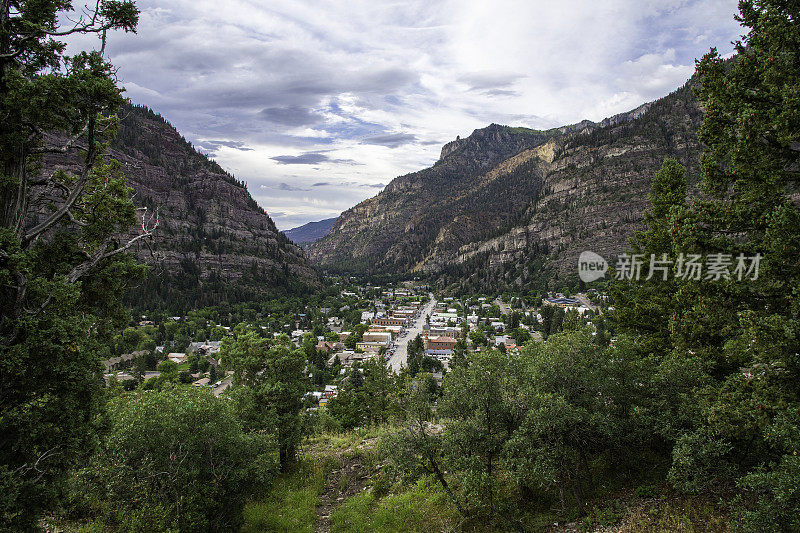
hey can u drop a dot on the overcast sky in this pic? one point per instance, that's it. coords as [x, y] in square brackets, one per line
[319, 104]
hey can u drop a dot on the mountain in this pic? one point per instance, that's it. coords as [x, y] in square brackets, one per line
[507, 206]
[310, 232]
[214, 244]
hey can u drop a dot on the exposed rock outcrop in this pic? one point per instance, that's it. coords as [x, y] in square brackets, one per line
[505, 196]
[213, 239]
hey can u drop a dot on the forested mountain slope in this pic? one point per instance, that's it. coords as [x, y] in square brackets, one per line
[503, 197]
[213, 243]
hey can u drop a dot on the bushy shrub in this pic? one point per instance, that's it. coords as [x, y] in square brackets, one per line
[176, 459]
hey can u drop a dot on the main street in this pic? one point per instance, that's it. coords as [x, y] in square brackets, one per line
[399, 358]
[584, 300]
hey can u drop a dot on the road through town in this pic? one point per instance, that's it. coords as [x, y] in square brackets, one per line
[399, 358]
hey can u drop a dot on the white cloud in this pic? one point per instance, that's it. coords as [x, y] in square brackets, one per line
[385, 83]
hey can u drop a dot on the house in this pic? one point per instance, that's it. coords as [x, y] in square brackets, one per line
[202, 382]
[330, 392]
[177, 357]
[329, 347]
[124, 360]
[204, 348]
[348, 357]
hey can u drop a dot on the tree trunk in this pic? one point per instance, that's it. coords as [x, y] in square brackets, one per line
[443, 482]
[489, 472]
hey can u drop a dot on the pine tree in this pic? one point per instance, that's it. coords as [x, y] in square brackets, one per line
[62, 266]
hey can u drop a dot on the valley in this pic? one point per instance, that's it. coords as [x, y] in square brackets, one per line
[558, 325]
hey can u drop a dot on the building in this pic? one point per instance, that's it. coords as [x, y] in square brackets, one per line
[445, 317]
[330, 392]
[390, 321]
[443, 331]
[371, 347]
[394, 330]
[439, 343]
[204, 348]
[177, 357]
[384, 337]
[202, 382]
[124, 360]
[329, 347]
[562, 302]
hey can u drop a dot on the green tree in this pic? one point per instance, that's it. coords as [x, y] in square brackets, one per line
[645, 307]
[347, 407]
[276, 376]
[418, 360]
[477, 337]
[177, 460]
[568, 418]
[355, 336]
[60, 259]
[459, 353]
[746, 331]
[476, 408]
[521, 336]
[418, 446]
[380, 391]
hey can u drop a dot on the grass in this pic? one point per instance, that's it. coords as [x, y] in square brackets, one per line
[684, 515]
[422, 508]
[290, 504]
[639, 505]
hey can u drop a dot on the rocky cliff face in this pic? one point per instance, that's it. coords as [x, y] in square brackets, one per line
[504, 199]
[214, 243]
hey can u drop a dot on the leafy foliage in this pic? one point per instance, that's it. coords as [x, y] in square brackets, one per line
[61, 261]
[177, 459]
[275, 376]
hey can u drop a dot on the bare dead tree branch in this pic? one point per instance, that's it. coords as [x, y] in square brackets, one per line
[77, 190]
[101, 253]
[64, 148]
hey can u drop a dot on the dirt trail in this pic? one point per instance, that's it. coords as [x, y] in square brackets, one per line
[347, 479]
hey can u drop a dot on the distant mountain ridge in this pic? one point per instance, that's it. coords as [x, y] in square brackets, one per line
[504, 204]
[214, 243]
[310, 232]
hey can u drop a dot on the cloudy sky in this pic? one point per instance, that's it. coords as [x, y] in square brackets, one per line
[319, 104]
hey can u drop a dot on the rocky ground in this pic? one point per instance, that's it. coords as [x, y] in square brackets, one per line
[351, 476]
